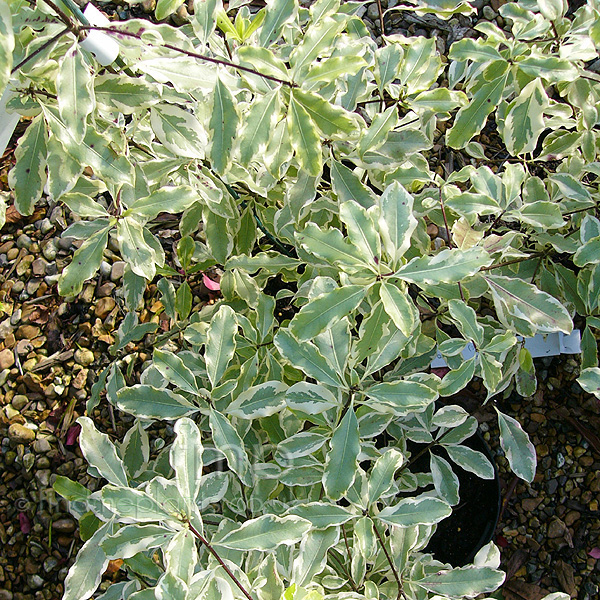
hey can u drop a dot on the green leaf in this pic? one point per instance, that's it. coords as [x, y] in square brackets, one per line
[135, 450]
[174, 370]
[332, 69]
[524, 308]
[381, 478]
[185, 457]
[399, 306]
[133, 505]
[378, 130]
[138, 254]
[309, 398]
[316, 40]
[589, 380]
[86, 573]
[304, 138]
[86, 261]
[228, 441]
[331, 246]
[278, 13]
[588, 253]
[478, 50]
[125, 94]
[179, 131]
[312, 557]
[519, 451]
[71, 490]
[204, 19]
[462, 582]
[457, 379]
[147, 402]
[420, 66]
[415, 511]
[330, 119]
[342, 460]
[324, 311]
[223, 124]
[220, 344]
[524, 121]
[471, 460]
[440, 100]
[74, 92]
[183, 300]
[347, 185]
[397, 222]
[131, 539]
[298, 445]
[550, 68]
[259, 122]
[83, 206]
[448, 266]
[7, 45]
[361, 230]
[465, 319]
[387, 60]
[164, 8]
[28, 176]
[445, 480]
[322, 515]
[167, 199]
[266, 533]
[95, 151]
[101, 453]
[470, 119]
[401, 397]
[181, 557]
[259, 401]
[541, 214]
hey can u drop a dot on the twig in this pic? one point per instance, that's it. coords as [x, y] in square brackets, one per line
[381, 23]
[515, 261]
[451, 244]
[227, 570]
[389, 559]
[210, 59]
[40, 49]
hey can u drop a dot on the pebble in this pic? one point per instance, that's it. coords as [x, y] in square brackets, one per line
[105, 269]
[64, 525]
[19, 401]
[49, 250]
[20, 434]
[117, 271]
[84, 357]
[41, 446]
[43, 478]
[104, 307]
[46, 226]
[65, 243]
[24, 241]
[7, 359]
[38, 267]
[489, 13]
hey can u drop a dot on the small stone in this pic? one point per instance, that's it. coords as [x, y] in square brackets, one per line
[39, 267]
[35, 582]
[104, 307]
[542, 450]
[43, 478]
[6, 595]
[105, 269]
[27, 332]
[67, 242]
[84, 357]
[148, 6]
[41, 446]
[49, 250]
[489, 13]
[43, 462]
[19, 401]
[20, 434]
[117, 270]
[552, 486]
[46, 226]
[181, 16]
[64, 526]
[571, 517]
[530, 504]
[373, 12]
[556, 529]
[24, 241]
[7, 359]
[106, 289]
[50, 563]
[24, 265]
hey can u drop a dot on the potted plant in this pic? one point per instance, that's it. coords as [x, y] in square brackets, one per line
[361, 225]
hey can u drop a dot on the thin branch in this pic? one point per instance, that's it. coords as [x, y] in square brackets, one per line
[381, 23]
[389, 559]
[210, 59]
[227, 570]
[346, 572]
[40, 49]
[450, 242]
[515, 261]
[64, 17]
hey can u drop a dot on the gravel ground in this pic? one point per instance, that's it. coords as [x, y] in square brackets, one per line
[51, 350]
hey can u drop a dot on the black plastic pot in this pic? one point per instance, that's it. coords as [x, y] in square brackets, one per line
[473, 521]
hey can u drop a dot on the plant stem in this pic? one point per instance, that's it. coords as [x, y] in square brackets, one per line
[40, 49]
[207, 545]
[450, 242]
[515, 261]
[389, 559]
[210, 59]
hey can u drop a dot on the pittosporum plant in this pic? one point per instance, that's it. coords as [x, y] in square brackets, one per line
[311, 166]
